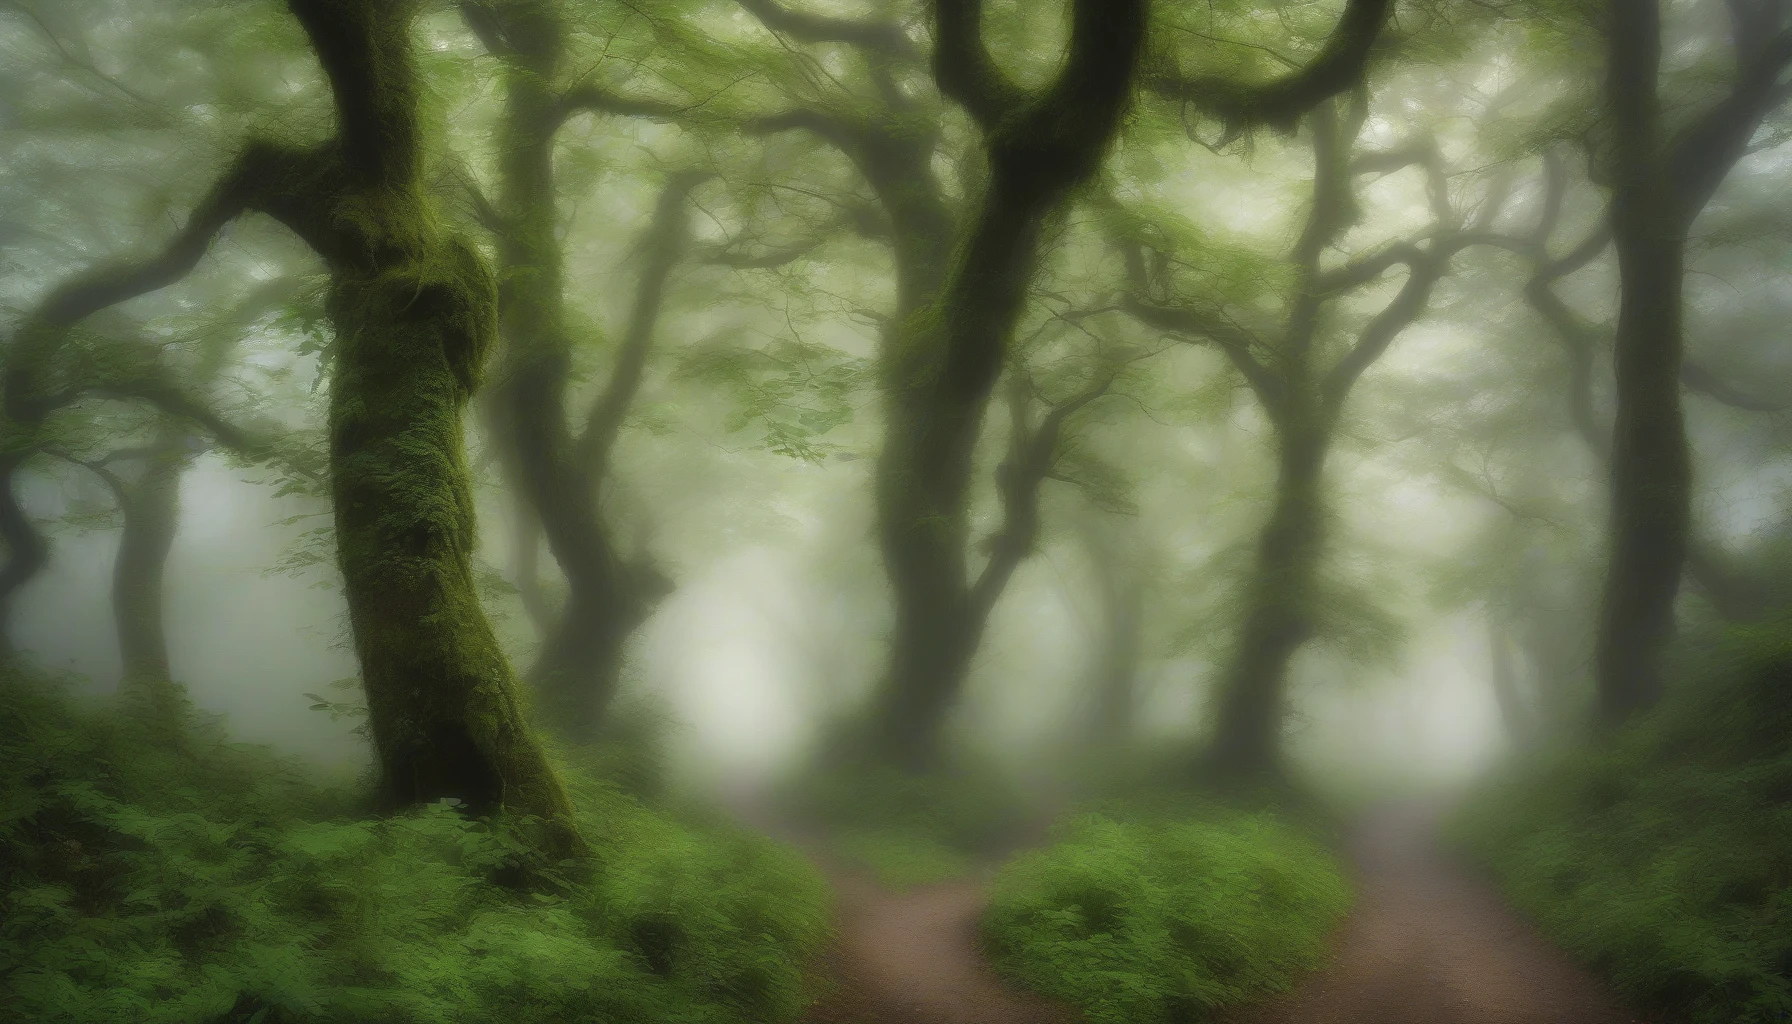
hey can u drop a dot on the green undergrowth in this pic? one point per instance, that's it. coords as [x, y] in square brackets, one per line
[1663, 856]
[189, 879]
[1147, 917]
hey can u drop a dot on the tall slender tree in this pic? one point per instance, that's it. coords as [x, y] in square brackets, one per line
[561, 471]
[1660, 177]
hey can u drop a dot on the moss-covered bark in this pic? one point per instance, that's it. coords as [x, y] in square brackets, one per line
[414, 310]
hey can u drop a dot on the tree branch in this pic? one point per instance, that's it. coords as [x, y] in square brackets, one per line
[1196, 324]
[1281, 103]
[1032, 455]
[886, 39]
[1697, 378]
[664, 244]
[1704, 153]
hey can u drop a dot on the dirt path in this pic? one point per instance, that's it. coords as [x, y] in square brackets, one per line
[912, 958]
[1430, 944]
[1426, 944]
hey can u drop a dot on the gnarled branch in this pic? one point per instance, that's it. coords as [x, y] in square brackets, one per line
[1281, 103]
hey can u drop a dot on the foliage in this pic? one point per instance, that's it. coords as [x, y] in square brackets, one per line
[1663, 856]
[1159, 920]
[186, 878]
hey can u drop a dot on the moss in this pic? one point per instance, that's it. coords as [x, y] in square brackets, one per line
[213, 881]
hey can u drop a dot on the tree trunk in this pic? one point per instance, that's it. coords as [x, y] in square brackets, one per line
[1278, 608]
[414, 312]
[1651, 470]
[937, 386]
[1519, 719]
[150, 503]
[1115, 678]
[26, 550]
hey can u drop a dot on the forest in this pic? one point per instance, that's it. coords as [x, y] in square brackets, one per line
[895, 511]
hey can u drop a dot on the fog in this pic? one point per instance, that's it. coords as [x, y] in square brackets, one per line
[694, 481]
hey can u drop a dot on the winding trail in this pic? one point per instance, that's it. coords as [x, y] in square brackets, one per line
[1426, 944]
[1429, 943]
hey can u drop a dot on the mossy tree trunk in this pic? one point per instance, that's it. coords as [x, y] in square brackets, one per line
[27, 552]
[414, 312]
[960, 285]
[1278, 614]
[561, 473]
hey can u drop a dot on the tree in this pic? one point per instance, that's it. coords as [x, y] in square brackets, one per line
[962, 279]
[1302, 391]
[559, 472]
[413, 309]
[1660, 178]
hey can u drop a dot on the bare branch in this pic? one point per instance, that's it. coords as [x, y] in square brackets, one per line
[1697, 378]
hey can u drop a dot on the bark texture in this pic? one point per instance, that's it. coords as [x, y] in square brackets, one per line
[414, 311]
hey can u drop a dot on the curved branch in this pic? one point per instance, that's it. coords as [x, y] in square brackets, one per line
[1195, 324]
[1280, 104]
[1032, 455]
[886, 39]
[591, 99]
[963, 67]
[1697, 378]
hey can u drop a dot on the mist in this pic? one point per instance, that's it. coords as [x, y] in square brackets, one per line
[895, 511]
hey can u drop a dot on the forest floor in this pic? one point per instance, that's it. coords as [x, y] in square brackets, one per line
[1427, 943]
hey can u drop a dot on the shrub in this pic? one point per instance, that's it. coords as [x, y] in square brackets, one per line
[207, 881]
[1158, 921]
[1663, 856]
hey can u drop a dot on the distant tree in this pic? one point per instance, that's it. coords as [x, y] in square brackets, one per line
[1662, 170]
[561, 472]
[1301, 375]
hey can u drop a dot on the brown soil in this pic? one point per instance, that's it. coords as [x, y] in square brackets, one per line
[913, 958]
[1426, 944]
